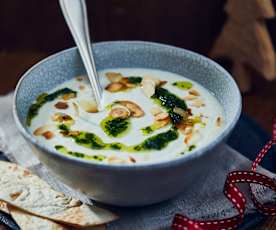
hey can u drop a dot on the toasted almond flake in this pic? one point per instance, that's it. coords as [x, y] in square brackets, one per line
[130, 85]
[68, 96]
[148, 87]
[114, 77]
[190, 97]
[42, 129]
[82, 87]
[89, 106]
[162, 83]
[61, 105]
[198, 103]
[115, 87]
[124, 80]
[218, 121]
[80, 78]
[162, 123]
[155, 110]
[194, 92]
[48, 135]
[120, 112]
[63, 118]
[153, 79]
[181, 112]
[161, 116]
[76, 109]
[135, 109]
[115, 160]
[188, 138]
[131, 159]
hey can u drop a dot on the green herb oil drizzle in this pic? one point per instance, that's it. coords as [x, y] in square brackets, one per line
[92, 141]
[65, 151]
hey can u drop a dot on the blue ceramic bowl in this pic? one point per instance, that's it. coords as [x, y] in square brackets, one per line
[129, 185]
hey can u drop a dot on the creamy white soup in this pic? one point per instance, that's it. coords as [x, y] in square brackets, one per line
[148, 116]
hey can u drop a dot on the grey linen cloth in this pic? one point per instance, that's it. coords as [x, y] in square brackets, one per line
[204, 199]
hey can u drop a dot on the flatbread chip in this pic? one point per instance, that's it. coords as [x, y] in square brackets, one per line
[27, 221]
[20, 188]
[4, 207]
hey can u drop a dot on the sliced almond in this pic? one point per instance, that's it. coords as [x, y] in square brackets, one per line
[162, 83]
[194, 92]
[161, 116]
[130, 85]
[114, 77]
[48, 135]
[135, 109]
[188, 138]
[219, 121]
[148, 87]
[115, 160]
[42, 129]
[131, 159]
[76, 108]
[68, 96]
[61, 105]
[124, 80]
[198, 103]
[89, 106]
[161, 123]
[156, 81]
[155, 110]
[187, 130]
[115, 87]
[63, 118]
[80, 78]
[120, 112]
[181, 112]
[82, 87]
[190, 97]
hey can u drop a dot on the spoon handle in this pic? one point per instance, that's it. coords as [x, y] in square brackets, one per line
[75, 14]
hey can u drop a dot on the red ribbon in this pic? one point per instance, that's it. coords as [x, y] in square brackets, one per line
[232, 192]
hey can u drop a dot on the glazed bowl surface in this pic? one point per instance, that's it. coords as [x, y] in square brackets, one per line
[126, 185]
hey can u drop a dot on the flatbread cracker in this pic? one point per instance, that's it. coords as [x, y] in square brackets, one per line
[20, 188]
[27, 221]
[4, 207]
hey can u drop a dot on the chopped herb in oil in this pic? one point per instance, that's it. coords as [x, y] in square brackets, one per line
[183, 85]
[134, 80]
[92, 141]
[65, 151]
[115, 127]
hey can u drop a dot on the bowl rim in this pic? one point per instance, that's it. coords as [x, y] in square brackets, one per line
[145, 166]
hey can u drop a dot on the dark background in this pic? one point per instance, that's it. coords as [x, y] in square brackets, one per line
[33, 29]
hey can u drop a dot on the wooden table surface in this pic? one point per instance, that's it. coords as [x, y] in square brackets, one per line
[260, 104]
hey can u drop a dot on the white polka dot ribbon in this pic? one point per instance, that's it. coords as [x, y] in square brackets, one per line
[233, 193]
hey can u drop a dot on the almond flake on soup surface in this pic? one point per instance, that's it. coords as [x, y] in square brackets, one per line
[115, 87]
[114, 77]
[61, 105]
[148, 87]
[194, 92]
[89, 106]
[120, 112]
[135, 109]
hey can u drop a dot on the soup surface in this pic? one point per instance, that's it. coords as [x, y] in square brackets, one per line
[148, 116]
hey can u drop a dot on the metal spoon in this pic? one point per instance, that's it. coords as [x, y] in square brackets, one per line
[75, 14]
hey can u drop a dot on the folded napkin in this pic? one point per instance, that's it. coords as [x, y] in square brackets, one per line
[204, 199]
